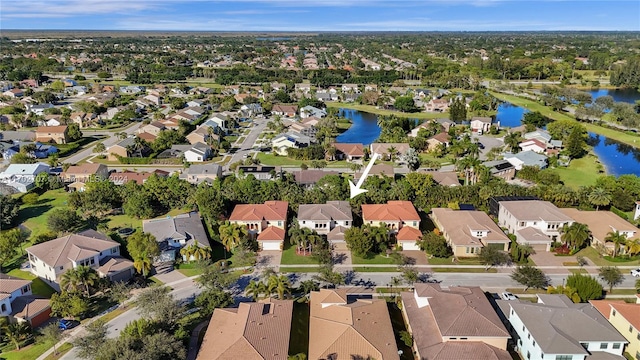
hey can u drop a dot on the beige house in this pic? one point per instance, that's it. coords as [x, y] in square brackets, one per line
[258, 218]
[534, 222]
[343, 329]
[56, 134]
[441, 139]
[153, 128]
[625, 318]
[202, 135]
[396, 215]
[481, 125]
[252, 331]
[84, 172]
[388, 149]
[469, 231]
[454, 323]
[602, 223]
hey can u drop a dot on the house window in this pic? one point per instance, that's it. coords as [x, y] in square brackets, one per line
[637, 355]
[529, 336]
[523, 327]
[467, 250]
[61, 267]
[528, 355]
[564, 357]
[463, 338]
[522, 223]
[616, 346]
[304, 222]
[585, 345]
[603, 346]
[638, 337]
[630, 328]
[534, 343]
[4, 307]
[415, 223]
[613, 313]
[114, 250]
[279, 223]
[346, 223]
[512, 312]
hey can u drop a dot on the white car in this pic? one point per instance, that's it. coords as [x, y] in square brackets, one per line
[508, 296]
[635, 272]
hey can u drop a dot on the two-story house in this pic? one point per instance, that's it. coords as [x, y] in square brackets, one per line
[467, 231]
[17, 302]
[400, 217]
[51, 259]
[534, 222]
[625, 318]
[56, 134]
[173, 233]
[454, 323]
[76, 176]
[267, 221]
[331, 219]
[556, 328]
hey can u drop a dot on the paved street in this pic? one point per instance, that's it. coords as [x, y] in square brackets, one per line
[112, 139]
[259, 124]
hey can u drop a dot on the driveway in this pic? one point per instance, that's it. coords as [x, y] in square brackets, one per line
[545, 258]
[256, 129]
[269, 259]
[416, 257]
[489, 142]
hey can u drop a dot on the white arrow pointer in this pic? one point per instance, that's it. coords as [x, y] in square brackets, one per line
[355, 189]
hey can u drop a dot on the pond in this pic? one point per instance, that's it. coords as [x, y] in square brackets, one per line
[618, 158]
[364, 127]
[620, 95]
[510, 115]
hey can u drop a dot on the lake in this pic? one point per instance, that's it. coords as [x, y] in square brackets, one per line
[619, 95]
[364, 127]
[510, 115]
[618, 158]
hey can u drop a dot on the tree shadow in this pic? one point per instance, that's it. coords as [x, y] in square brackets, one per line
[27, 213]
[339, 258]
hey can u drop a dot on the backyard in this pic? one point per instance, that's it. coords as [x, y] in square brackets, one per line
[299, 341]
[580, 172]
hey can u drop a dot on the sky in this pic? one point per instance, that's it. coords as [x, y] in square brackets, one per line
[322, 15]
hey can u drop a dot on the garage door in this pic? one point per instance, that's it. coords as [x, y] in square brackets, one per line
[409, 245]
[270, 245]
[539, 247]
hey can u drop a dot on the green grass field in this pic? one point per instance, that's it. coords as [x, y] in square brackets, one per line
[61, 351]
[449, 261]
[289, 257]
[30, 352]
[38, 286]
[462, 270]
[34, 217]
[373, 110]
[598, 260]
[377, 260]
[299, 340]
[580, 172]
[375, 269]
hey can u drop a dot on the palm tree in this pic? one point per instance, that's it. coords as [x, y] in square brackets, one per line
[143, 265]
[393, 153]
[87, 277]
[512, 141]
[599, 197]
[255, 289]
[188, 251]
[16, 332]
[617, 239]
[473, 149]
[297, 237]
[575, 235]
[308, 286]
[632, 247]
[232, 234]
[467, 165]
[279, 285]
[331, 152]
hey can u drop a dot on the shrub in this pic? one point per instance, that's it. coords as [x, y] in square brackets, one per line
[30, 199]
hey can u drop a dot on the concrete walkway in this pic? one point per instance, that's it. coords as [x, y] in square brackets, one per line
[193, 341]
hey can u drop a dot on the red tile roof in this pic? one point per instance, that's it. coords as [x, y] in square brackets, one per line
[270, 210]
[409, 233]
[271, 233]
[391, 211]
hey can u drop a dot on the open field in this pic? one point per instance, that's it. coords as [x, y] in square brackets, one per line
[289, 257]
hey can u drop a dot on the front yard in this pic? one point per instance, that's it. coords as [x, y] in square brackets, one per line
[377, 260]
[289, 257]
[600, 260]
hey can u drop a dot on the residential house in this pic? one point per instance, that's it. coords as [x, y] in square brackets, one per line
[601, 223]
[325, 218]
[534, 145]
[198, 152]
[284, 110]
[348, 152]
[50, 260]
[306, 128]
[276, 86]
[153, 99]
[283, 142]
[14, 93]
[251, 110]
[148, 137]
[480, 124]
[544, 137]
[268, 221]
[41, 150]
[501, 168]
[196, 103]
[260, 172]
[252, 331]
[83, 119]
[437, 105]
[454, 323]
[132, 89]
[429, 124]
[438, 140]
[76, 176]
[371, 87]
[51, 120]
[526, 158]
[304, 88]
[56, 134]
[445, 178]
[396, 216]
[534, 222]
[556, 328]
[625, 318]
[389, 150]
[350, 97]
[175, 152]
[196, 174]
[378, 170]
[22, 177]
[126, 148]
[203, 134]
[310, 111]
[344, 328]
[69, 82]
[173, 233]
[123, 177]
[350, 88]
[219, 120]
[18, 304]
[32, 83]
[308, 178]
[39, 108]
[468, 231]
[153, 128]
[326, 96]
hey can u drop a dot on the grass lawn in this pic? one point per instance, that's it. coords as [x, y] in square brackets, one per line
[578, 271]
[598, 260]
[377, 259]
[299, 341]
[449, 261]
[375, 269]
[373, 110]
[620, 291]
[463, 270]
[529, 291]
[34, 217]
[38, 286]
[30, 352]
[581, 172]
[427, 157]
[189, 269]
[124, 221]
[155, 280]
[113, 314]
[293, 269]
[61, 351]
[289, 257]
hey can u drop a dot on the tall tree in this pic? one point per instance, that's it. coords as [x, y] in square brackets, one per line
[611, 275]
[279, 285]
[458, 111]
[587, 287]
[530, 277]
[575, 235]
[599, 197]
[79, 277]
[142, 247]
[232, 235]
[618, 239]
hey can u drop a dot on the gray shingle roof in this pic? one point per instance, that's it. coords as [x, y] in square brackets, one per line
[332, 210]
[181, 227]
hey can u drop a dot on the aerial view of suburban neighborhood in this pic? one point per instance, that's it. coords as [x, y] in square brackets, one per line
[337, 180]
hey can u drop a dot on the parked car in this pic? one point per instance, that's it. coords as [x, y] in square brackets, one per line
[508, 296]
[635, 272]
[65, 324]
[481, 145]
